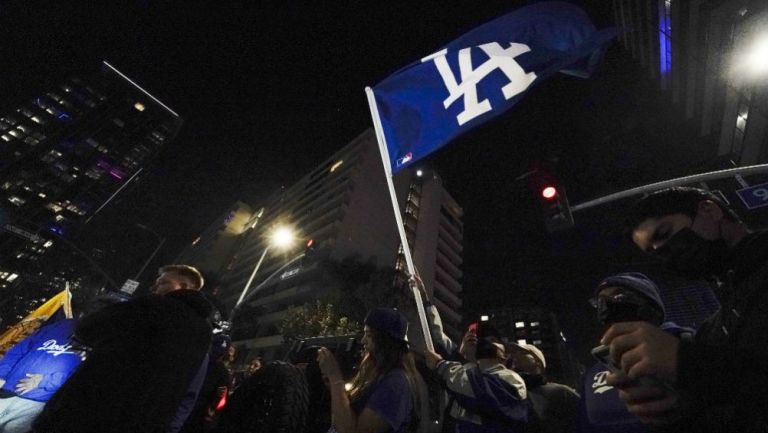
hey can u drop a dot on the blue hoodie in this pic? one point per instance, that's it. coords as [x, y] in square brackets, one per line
[48, 352]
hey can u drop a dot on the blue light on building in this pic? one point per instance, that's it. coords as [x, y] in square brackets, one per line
[665, 36]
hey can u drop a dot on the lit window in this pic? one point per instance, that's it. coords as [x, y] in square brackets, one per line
[59, 218]
[54, 207]
[18, 201]
[483, 318]
[519, 324]
[48, 244]
[139, 106]
[563, 337]
[23, 129]
[6, 138]
[535, 324]
[196, 241]
[537, 342]
[14, 133]
[36, 119]
[336, 165]
[118, 122]
[522, 341]
[741, 120]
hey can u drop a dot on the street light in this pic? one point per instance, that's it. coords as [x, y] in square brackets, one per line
[281, 237]
[161, 241]
[757, 58]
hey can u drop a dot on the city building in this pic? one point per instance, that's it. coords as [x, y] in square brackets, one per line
[339, 211]
[711, 58]
[212, 251]
[65, 153]
[540, 327]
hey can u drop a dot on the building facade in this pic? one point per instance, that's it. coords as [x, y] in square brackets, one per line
[64, 154]
[711, 58]
[343, 208]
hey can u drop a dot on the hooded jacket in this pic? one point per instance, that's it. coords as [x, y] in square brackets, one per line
[725, 370]
[144, 353]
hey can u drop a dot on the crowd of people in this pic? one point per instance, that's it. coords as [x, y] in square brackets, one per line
[154, 363]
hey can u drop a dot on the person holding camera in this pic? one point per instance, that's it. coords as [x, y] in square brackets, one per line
[625, 297]
[387, 395]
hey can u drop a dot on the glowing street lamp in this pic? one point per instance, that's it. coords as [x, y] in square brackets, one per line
[757, 58]
[281, 237]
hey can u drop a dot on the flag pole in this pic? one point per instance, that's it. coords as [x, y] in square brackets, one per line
[381, 140]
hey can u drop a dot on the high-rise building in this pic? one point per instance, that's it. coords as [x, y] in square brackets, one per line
[710, 58]
[217, 246]
[64, 154]
[343, 208]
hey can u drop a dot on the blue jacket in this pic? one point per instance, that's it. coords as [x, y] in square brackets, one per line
[48, 352]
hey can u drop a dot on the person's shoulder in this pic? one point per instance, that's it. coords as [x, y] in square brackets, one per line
[560, 388]
[395, 376]
[190, 298]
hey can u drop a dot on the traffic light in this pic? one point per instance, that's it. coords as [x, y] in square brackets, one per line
[554, 203]
[310, 250]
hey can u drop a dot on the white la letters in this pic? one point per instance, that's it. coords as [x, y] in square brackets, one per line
[498, 58]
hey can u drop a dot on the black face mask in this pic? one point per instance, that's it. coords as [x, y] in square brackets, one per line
[609, 312]
[690, 254]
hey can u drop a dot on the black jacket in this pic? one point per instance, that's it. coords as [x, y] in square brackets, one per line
[143, 356]
[724, 372]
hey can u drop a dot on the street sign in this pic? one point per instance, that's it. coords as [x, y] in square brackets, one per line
[755, 196]
[21, 232]
[129, 286]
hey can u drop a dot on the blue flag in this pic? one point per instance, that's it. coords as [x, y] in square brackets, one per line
[481, 74]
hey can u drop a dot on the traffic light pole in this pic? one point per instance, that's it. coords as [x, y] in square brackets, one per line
[680, 181]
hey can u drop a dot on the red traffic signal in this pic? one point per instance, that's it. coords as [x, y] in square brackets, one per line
[549, 192]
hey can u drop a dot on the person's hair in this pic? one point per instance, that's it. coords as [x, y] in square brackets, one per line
[187, 272]
[672, 201]
[389, 354]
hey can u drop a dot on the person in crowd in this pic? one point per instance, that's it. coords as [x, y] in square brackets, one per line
[722, 374]
[556, 405]
[213, 392]
[620, 298]
[512, 398]
[387, 394]
[33, 370]
[487, 396]
[254, 366]
[146, 362]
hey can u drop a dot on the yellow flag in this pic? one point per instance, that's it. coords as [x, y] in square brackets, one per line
[35, 319]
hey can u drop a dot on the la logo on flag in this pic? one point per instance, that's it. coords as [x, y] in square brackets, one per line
[480, 75]
[498, 58]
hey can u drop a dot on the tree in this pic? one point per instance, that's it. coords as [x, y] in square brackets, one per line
[315, 320]
[359, 287]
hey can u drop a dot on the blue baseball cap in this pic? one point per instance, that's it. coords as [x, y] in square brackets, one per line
[637, 282]
[390, 322]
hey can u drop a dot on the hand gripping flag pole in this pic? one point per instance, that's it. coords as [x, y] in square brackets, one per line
[399, 218]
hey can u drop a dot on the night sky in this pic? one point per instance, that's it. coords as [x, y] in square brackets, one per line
[269, 89]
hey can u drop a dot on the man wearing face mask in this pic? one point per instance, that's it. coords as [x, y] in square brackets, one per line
[621, 298]
[725, 370]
